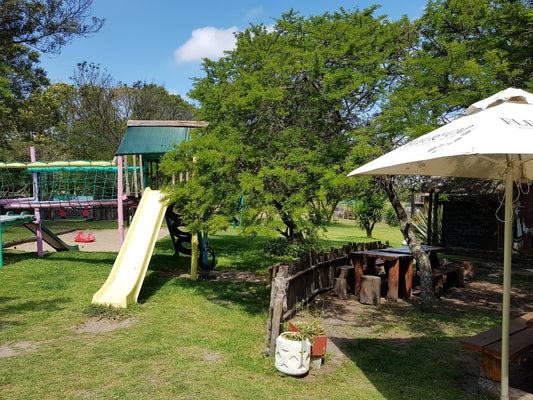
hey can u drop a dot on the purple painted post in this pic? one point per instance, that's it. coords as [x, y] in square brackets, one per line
[120, 209]
[36, 210]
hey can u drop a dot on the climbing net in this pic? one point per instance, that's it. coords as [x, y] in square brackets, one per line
[60, 184]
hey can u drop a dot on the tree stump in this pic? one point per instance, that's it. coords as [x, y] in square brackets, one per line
[347, 272]
[341, 284]
[341, 290]
[370, 290]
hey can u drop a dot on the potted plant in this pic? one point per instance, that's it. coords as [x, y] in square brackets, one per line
[315, 333]
[293, 353]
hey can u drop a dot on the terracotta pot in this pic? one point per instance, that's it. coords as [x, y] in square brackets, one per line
[318, 348]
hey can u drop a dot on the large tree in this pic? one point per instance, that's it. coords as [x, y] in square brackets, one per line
[28, 28]
[464, 51]
[93, 111]
[281, 108]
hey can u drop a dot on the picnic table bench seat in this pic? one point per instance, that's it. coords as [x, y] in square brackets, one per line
[447, 275]
[489, 344]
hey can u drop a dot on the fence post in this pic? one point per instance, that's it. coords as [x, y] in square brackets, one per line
[277, 303]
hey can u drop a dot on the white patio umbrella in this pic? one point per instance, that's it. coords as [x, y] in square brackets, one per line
[493, 141]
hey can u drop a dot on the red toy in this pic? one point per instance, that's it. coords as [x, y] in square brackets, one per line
[80, 237]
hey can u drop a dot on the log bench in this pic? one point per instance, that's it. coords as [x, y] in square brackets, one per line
[489, 344]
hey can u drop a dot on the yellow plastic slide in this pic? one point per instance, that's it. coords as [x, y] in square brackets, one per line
[126, 278]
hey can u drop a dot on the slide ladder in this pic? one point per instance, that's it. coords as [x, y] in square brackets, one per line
[126, 277]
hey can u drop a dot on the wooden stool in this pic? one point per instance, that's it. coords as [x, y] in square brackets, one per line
[341, 283]
[370, 290]
[347, 272]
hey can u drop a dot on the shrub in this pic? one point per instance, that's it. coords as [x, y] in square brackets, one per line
[420, 225]
[281, 247]
[391, 218]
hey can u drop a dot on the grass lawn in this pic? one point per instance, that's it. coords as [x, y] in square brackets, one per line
[204, 339]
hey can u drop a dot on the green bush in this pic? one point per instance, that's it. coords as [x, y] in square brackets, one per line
[281, 247]
[391, 218]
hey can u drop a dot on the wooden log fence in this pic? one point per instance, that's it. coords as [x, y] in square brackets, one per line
[296, 283]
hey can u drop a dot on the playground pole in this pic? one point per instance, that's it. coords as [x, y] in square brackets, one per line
[194, 256]
[120, 209]
[36, 210]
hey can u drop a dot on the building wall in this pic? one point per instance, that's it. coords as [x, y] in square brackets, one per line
[471, 224]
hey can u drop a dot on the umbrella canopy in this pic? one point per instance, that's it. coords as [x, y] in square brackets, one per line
[493, 141]
[478, 145]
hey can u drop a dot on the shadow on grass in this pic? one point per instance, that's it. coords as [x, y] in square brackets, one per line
[244, 253]
[252, 297]
[414, 368]
[14, 306]
[62, 256]
[12, 257]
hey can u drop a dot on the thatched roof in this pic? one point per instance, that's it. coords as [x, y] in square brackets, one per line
[462, 186]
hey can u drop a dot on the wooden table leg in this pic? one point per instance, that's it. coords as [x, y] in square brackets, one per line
[394, 275]
[358, 271]
[490, 367]
[406, 278]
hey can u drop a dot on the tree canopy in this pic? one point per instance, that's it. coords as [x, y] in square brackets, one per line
[293, 108]
[281, 108]
[28, 28]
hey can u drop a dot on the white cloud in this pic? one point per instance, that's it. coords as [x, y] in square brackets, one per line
[206, 42]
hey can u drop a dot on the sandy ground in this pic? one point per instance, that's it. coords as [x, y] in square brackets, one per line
[105, 240]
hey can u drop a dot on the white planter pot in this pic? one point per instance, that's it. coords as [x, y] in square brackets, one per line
[292, 356]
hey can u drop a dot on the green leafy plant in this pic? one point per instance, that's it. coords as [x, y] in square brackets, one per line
[101, 311]
[308, 330]
[420, 223]
[391, 218]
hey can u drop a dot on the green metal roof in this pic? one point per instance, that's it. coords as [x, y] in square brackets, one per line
[151, 141]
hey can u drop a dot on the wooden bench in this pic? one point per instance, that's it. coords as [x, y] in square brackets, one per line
[489, 344]
[447, 275]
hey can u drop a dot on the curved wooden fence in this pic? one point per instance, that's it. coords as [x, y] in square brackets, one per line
[295, 283]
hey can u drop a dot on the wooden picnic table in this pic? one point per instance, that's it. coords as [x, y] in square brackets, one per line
[398, 268]
[431, 250]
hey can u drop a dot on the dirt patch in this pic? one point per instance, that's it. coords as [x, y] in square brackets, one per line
[7, 351]
[19, 348]
[103, 325]
[227, 275]
[211, 357]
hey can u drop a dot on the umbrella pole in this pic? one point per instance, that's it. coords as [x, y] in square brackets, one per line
[507, 259]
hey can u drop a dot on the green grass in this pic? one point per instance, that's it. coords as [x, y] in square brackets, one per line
[204, 339]
[339, 233]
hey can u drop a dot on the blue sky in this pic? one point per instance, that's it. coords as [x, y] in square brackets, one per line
[164, 41]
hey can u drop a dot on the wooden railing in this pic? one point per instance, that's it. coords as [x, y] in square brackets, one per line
[295, 283]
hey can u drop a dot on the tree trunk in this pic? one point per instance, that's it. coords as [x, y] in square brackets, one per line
[427, 297]
[292, 234]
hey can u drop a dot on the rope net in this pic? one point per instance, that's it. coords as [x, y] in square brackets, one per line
[50, 187]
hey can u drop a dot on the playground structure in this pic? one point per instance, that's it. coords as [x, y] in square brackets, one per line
[84, 184]
[57, 185]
